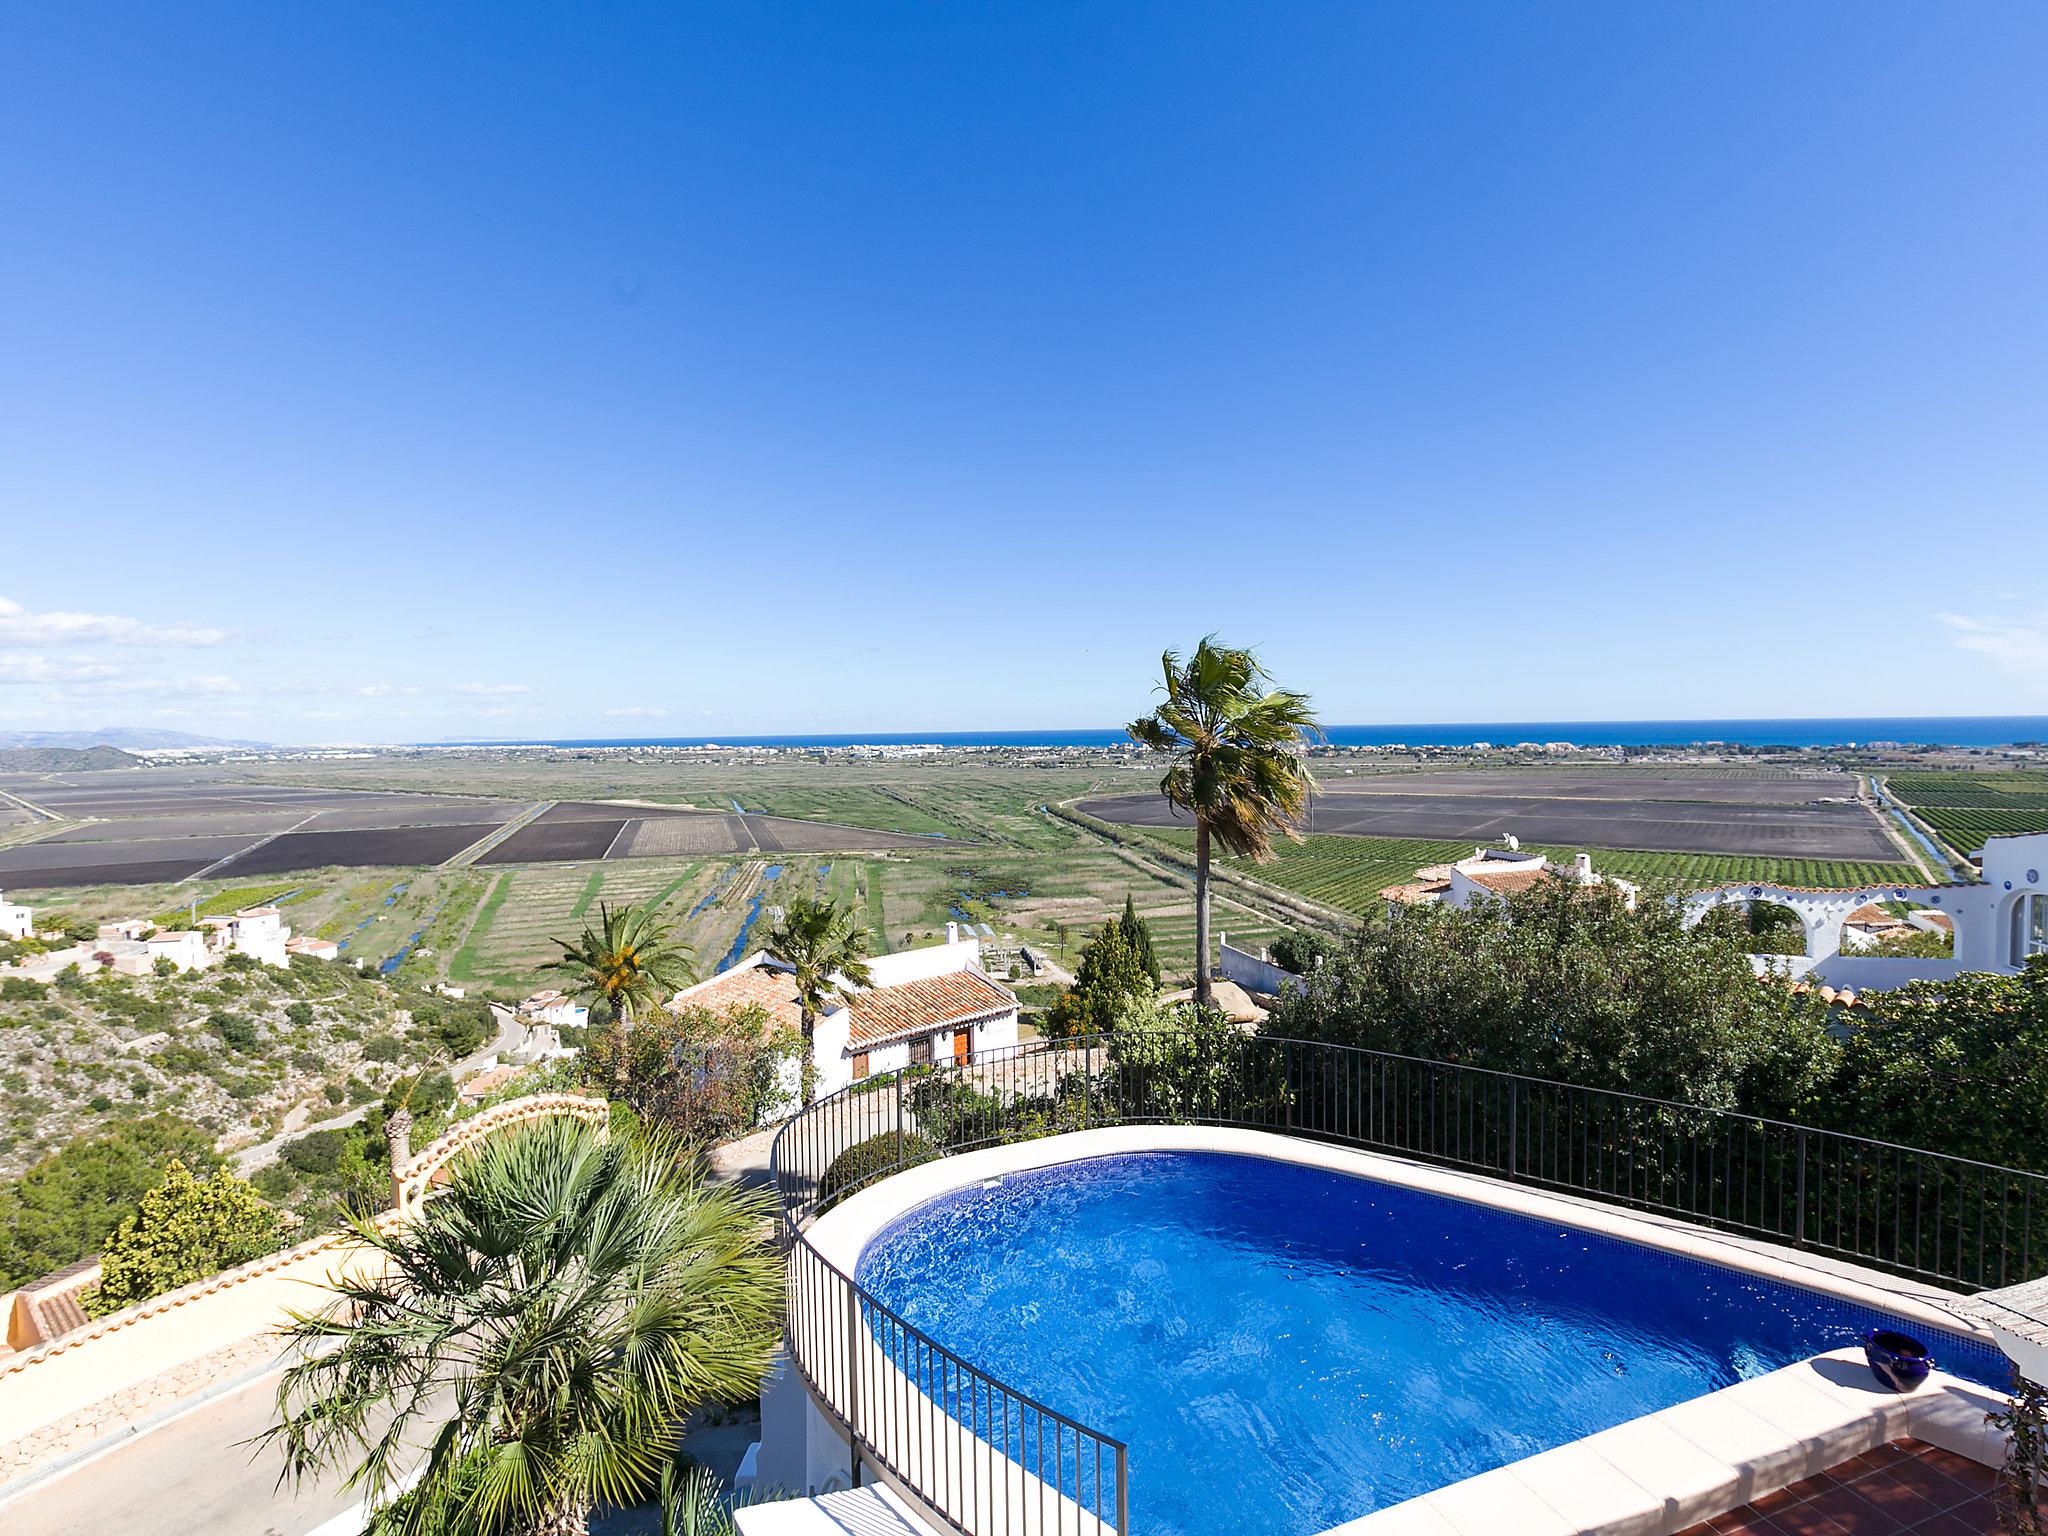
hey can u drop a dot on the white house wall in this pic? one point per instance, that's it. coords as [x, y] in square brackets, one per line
[922, 964]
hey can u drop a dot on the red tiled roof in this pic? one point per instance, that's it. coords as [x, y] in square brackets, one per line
[485, 1084]
[919, 1007]
[775, 990]
[1414, 893]
[1505, 881]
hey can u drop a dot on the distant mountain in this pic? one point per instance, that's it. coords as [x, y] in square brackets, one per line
[63, 759]
[134, 738]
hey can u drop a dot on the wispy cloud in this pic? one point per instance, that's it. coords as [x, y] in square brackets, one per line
[638, 712]
[491, 690]
[18, 626]
[2017, 646]
[36, 669]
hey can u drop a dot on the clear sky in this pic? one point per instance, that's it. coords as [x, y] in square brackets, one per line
[399, 371]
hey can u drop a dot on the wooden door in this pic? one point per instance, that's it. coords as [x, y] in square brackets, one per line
[960, 1044]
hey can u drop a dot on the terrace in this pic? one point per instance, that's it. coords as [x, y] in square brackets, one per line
[932, 1392]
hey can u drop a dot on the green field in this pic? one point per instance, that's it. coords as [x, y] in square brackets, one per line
[1987, 791]
[1349, 872]
[997, 859]
[1966, 808]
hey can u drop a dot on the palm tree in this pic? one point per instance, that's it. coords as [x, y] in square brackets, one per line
[1238, 770]
[628, 963]
[543, 1326]
[817, 939]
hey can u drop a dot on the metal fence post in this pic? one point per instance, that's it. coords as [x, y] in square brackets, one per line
[1287, 1081]
[1514, 1124]
[1123, 1492]
[1799, 1196]
[853, 1384]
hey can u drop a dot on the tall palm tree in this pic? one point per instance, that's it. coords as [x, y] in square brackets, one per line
[1237, 770]
[543, 1326]
[628, 963]
[818, 940]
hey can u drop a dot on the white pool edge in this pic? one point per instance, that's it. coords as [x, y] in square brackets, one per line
[1650, 1476]
[842, 1233]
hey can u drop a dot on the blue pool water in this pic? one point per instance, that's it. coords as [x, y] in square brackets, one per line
[1284, 1348]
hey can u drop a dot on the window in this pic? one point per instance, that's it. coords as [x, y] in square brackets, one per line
[921, 1051]
[2029, 928]
[860, 1066]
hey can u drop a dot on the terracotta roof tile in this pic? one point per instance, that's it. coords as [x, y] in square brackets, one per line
[1413, 893]
[919, 1007]
[1505, 881]
[773, 989]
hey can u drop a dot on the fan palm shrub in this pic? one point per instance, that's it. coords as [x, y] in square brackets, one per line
[542, 1327]
[1237, 771]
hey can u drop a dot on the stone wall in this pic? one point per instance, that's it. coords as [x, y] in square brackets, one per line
[86, 1426]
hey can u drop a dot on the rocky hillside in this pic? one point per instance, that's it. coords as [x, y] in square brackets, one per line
[244, 1051]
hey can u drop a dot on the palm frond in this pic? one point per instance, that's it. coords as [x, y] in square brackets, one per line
[543, 1328]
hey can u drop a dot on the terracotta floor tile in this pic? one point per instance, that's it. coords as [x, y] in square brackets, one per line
[1805, 1520]
[1911, 1495]
[1854, 1513]
[1977, 1518]
[1973, 1475]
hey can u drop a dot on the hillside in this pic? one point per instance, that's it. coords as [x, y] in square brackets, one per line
[63, 759]
[135, 737]
[241, 1050]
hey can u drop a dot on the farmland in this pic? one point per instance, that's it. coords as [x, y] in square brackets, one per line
[1348, 872]
[1782, 816]
[907, 845]
[1966, 808]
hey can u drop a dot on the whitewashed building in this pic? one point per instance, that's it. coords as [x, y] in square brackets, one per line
[16, 921]
[921, 1007]
[185, 948]
[258, 932]
[556, 1009]
[1493, 873]
[1998, 922]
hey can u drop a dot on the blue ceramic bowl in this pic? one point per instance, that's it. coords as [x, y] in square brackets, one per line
[1898, 1360]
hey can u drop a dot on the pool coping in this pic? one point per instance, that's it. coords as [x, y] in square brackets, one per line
[1649, 1476]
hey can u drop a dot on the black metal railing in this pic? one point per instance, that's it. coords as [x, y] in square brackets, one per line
[973, 1449]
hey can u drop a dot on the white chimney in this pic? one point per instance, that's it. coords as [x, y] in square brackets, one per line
[952, 933]
[1582, 864]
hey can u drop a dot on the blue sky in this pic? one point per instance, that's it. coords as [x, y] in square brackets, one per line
[393, 372]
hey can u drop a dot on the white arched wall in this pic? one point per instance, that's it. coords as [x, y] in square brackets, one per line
[1822, 912]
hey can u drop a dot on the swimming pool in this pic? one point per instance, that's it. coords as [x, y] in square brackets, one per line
[1284, 1348]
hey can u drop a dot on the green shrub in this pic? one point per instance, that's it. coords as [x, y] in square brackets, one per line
[383, 1048]
[317, 1153]
[63, 1208]
[184, 1230]
[235, 1031]
[865, 1160]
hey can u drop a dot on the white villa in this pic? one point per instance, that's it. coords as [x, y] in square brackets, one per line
[133, 946]
[922, 1006]
[1492, 873]
[555, 1009]
[1997, 922]
[16, 921]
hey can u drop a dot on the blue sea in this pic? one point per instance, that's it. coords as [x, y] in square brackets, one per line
[1944, 730]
